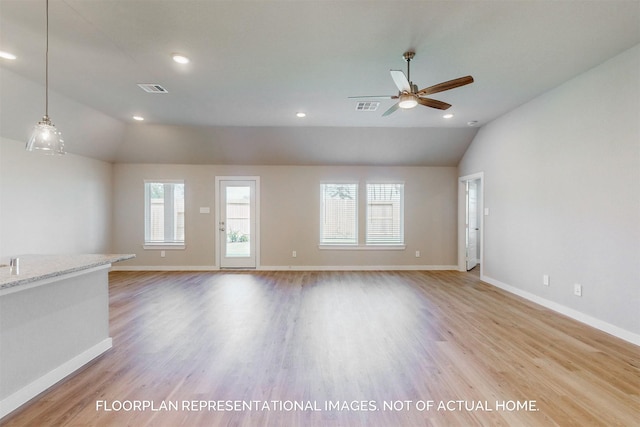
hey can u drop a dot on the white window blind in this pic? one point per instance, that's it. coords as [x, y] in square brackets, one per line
[339, 212]
[164, 212]
[385, 214]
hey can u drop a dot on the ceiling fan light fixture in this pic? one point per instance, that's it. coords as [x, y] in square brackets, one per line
[407, 101]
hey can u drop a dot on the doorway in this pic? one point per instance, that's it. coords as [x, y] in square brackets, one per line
[237, 231]
[470, 222]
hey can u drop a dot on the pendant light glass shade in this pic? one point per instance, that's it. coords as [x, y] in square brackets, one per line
[45, 138]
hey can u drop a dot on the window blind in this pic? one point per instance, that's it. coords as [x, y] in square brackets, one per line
[339, 212]
[385, 214]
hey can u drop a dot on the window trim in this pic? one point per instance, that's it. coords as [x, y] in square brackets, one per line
[369, 247]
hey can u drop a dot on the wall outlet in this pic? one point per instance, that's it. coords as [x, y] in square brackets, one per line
[545, 279]
[577, 289]
[162, 254]
[417, 254]
[294, 254]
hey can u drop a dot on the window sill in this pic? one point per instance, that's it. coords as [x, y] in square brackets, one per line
[164, 246]
[362, 247]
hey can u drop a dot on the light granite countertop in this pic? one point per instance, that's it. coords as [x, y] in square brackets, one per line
[39, 267]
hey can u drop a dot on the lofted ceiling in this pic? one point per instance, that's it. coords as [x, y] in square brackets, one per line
[254, 64]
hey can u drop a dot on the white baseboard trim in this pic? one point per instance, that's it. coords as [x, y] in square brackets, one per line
[28, 392]
[165, 268]
[288, 268]
[356, 267]
[616, 331]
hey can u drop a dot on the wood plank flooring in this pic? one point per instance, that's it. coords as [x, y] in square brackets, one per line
[340, 349]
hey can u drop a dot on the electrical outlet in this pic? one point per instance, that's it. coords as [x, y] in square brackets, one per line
[417, 254]
[577, 289]
[545, 279]
[294, 254]
[162, 254]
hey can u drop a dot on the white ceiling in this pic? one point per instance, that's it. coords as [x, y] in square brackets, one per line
[256, 63]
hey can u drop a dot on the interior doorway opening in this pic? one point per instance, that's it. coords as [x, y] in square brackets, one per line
[471, 223]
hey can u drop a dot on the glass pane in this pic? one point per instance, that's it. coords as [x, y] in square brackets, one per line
[384, 213]
[238, 224]
[339, 212]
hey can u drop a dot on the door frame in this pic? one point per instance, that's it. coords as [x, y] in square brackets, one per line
[218, 205]
[462, 209]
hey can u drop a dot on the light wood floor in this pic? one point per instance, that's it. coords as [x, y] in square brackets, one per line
[354, 340]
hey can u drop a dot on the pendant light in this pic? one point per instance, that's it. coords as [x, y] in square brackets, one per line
[45, 137]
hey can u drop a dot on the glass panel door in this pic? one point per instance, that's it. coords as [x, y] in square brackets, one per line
[237, 224]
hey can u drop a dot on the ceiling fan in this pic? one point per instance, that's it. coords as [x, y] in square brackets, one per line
[409, 96]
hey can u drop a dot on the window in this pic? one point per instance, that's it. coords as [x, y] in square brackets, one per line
[339, 213]
[385, 212]
[164, 213]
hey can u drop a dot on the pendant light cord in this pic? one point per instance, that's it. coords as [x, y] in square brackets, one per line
[46, 68]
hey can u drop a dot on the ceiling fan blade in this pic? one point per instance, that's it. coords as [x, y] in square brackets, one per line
[391, 110]
[401, 81]
[375, 96]
[451, 84]
[433, 103]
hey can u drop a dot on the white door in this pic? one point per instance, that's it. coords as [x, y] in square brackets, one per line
[472, 226]
[237, 223]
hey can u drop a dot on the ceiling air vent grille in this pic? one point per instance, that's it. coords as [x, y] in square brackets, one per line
[152, 88]
[367, 106]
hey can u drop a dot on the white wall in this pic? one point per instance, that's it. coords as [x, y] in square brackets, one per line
[53, 204]
[561, 180]
[289, 215]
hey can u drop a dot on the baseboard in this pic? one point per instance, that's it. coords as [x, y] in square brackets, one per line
[289, 267]
[616, 331]
[165, 268]
[356, 267]
[22, 396]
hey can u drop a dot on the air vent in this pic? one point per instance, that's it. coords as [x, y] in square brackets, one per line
[152, 88]
[367, 106]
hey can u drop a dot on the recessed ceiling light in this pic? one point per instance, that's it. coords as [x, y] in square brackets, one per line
[180, 59]
[301, 114]
[448, 116]
[7, 55]
[472, 123]
[138, 118]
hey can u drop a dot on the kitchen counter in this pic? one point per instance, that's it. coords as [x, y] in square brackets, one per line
[54, 319]
[34, 268]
